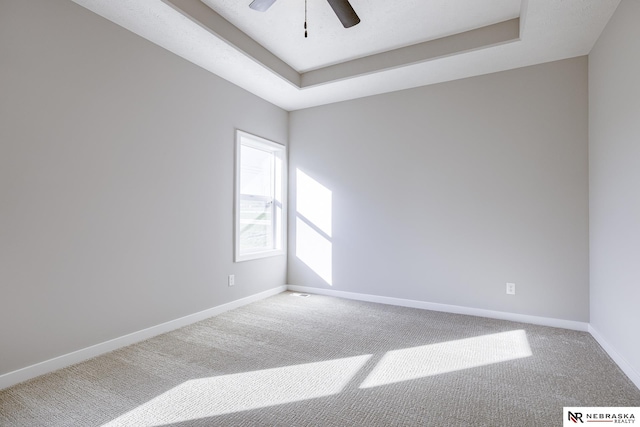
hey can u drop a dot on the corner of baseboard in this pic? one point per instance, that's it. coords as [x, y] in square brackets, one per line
[622, 363]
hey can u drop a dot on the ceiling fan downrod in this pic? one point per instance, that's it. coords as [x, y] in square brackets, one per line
[305, 19]
[342, 8]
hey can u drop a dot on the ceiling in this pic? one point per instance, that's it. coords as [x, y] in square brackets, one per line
[385, 25]
[397, 45]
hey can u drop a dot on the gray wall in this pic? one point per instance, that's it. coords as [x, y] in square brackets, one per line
[445, 193]
[614, 183]
[116, 183]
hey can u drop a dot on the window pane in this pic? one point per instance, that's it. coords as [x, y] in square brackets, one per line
[256, 224]
[256, 173]
[260, 197]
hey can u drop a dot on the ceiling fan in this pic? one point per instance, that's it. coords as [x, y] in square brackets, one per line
[342, 9]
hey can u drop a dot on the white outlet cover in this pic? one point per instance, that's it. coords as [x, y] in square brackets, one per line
[511, 288]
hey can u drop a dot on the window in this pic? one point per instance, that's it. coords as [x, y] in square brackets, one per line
[260, 197]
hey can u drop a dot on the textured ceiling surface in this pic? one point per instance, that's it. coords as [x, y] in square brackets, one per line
[385, 25]
[549, 30]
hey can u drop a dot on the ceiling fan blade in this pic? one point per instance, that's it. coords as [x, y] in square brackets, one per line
[261, 5]
[345, 12]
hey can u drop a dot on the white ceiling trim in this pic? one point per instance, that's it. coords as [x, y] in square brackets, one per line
[480, 38]
[549, 30]
[212, 22]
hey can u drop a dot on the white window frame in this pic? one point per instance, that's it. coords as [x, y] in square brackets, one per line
[280, 152]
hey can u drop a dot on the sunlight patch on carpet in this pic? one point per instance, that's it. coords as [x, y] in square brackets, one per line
[210, 397]
[434, 359]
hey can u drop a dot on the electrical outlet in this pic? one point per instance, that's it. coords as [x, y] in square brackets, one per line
[511, 288]
[232, 280]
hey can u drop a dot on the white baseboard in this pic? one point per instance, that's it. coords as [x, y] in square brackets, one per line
[24, 374]
[633, 375]
[524, 318]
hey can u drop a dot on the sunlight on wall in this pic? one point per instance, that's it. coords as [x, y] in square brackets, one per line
[313, 201]
[210, 397]
[314, 250]
[313, 225]
[419, 362]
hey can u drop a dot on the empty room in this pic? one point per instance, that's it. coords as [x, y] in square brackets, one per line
[319, 212]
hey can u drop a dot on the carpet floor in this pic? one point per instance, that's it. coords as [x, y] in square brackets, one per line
[322, 361]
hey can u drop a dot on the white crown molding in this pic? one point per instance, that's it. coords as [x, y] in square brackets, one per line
[468, 41]
[211, 21]
[549, 30]
[456, 44]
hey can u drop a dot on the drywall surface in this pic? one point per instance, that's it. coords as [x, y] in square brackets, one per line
[116, 183]
[614, 183]
[445, 193]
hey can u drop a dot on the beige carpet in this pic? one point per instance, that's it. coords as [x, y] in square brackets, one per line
[322, 361]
